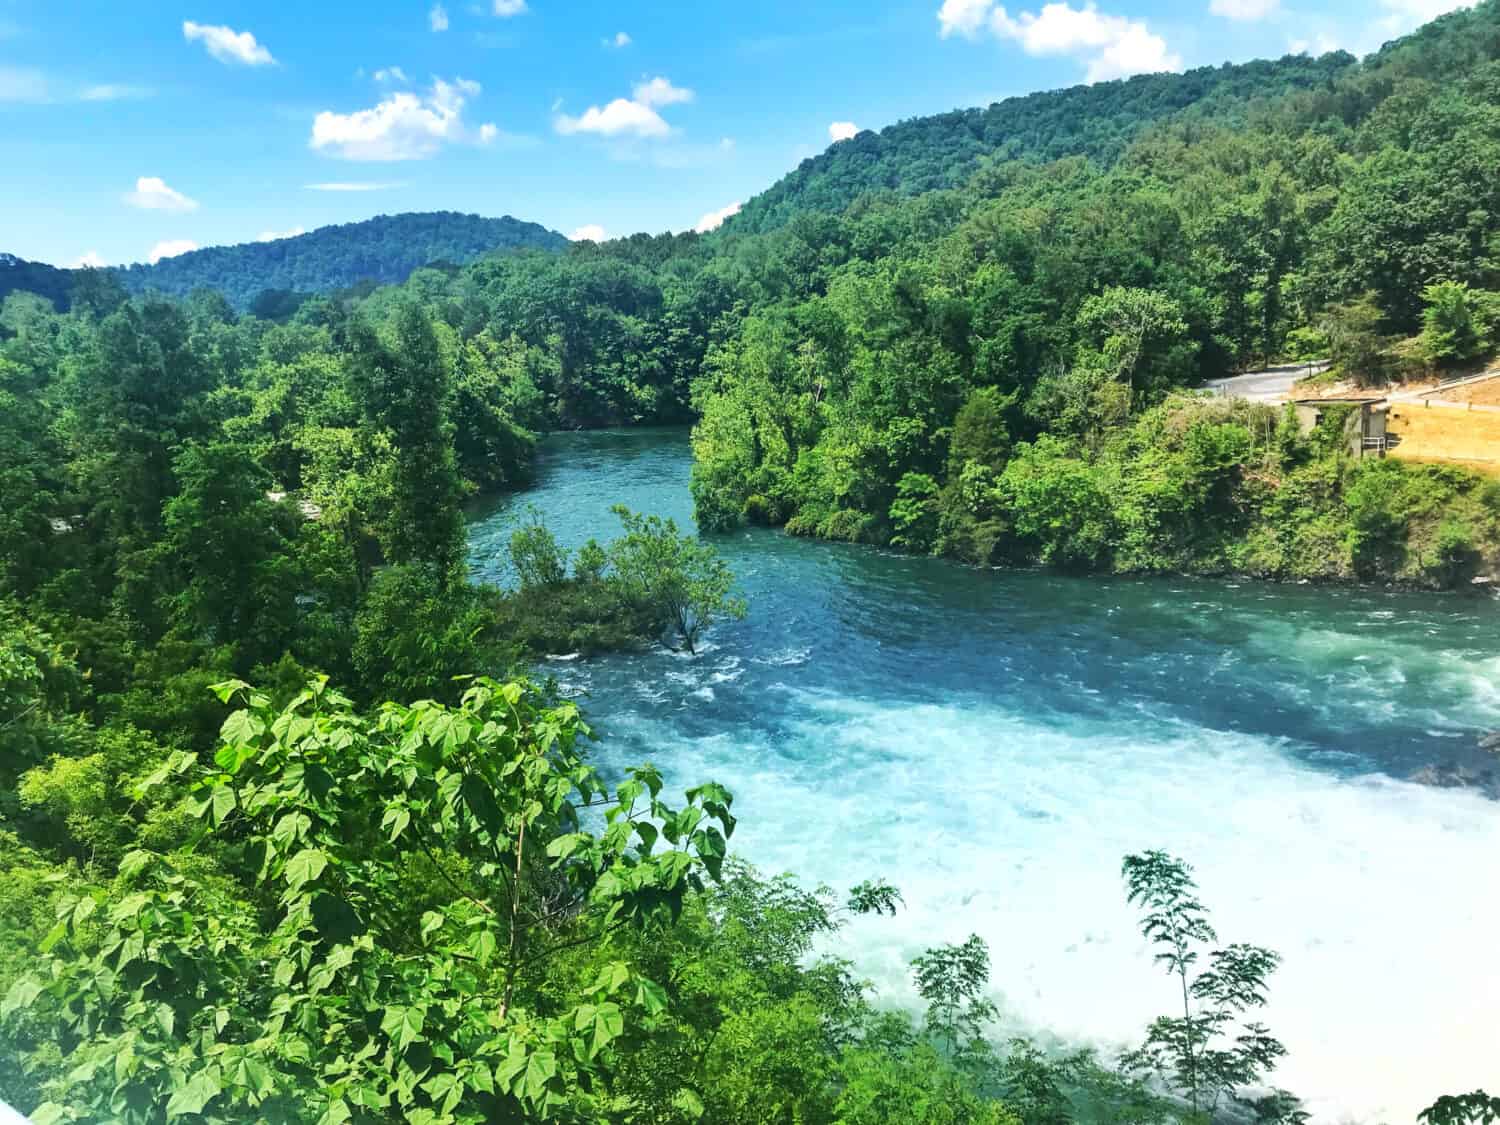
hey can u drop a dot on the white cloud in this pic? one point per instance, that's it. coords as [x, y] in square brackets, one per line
[1110, 46]
[656, 92]
[620, 118]
[487, 133]
[634, 116]
[963, 17]
[391, 74]
[1245, 10]
[88, 260]
[715, 219]
[1320, 44]
[589, 232]
[437, 19]
[618, 39]
[278, 235]
[152, 194]
[507, 8]
[403, 126]
[842, 131]
[228, 45]
[358, 185]
[170, 249]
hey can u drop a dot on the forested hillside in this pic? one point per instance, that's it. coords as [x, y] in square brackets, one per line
[378, 251]
[384, 249]
[19, 275]
[1097, 121]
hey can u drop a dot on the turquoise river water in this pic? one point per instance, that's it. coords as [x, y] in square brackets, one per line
[995, 742]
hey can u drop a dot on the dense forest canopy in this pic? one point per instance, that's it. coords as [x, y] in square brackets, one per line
[1097, 121]
[275, 273]
[267, 852]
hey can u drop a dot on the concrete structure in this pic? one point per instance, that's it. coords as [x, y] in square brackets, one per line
[1364, 422]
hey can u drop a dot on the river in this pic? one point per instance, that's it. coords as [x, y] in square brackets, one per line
[994, 743]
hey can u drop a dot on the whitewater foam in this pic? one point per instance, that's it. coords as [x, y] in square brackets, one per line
[1014, 828]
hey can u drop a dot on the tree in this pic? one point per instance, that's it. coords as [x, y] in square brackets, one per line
[1207, 1053]
[535, 554]
[1457, 321]
[952, 979]
[1477, 1108]
[679, 578]
[403, 386]
[420, 871]
[234, 546]
[1138, 336]
[1356, 343]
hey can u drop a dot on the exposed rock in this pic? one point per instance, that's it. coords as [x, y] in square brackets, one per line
[1451, 775]
[1491, 742]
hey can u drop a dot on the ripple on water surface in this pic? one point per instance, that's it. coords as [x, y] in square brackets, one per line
[994, 743]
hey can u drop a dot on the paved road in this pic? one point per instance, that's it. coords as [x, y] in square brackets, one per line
[1274, 384]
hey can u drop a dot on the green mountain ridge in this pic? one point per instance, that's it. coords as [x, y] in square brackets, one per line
[1099, 121]
[384, 250]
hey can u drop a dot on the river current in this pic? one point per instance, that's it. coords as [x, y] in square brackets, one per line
[994, 742]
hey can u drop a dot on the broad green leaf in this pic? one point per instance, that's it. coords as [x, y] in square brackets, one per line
[508, 1072]
[483, 945]
[21, 995]
[304, 867]
[444, 1089]
[222, 803]
[225, 689]
[201, 1089]
[651, 996]
[609, 1024]
[396, 820]
[133, 863]
[241, 727]
[404, 1025]
[54, 935]
[479, 1078]
[292, 827]
[540, 1069]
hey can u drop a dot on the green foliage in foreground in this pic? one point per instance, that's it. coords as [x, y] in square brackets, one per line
[440, 915]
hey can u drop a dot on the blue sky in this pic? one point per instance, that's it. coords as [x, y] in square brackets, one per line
[128, 130]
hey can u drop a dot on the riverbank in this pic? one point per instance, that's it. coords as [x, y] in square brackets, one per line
[1197, 485]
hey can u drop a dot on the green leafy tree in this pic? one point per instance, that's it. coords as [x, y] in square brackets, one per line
[403, 385]
[679, 578]
[234, 546]
[1477, 1108]
[1456, 322]
[1212, 1050]
[535, 554]
[952, 980]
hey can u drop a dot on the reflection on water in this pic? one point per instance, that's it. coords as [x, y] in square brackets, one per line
[995, 742]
